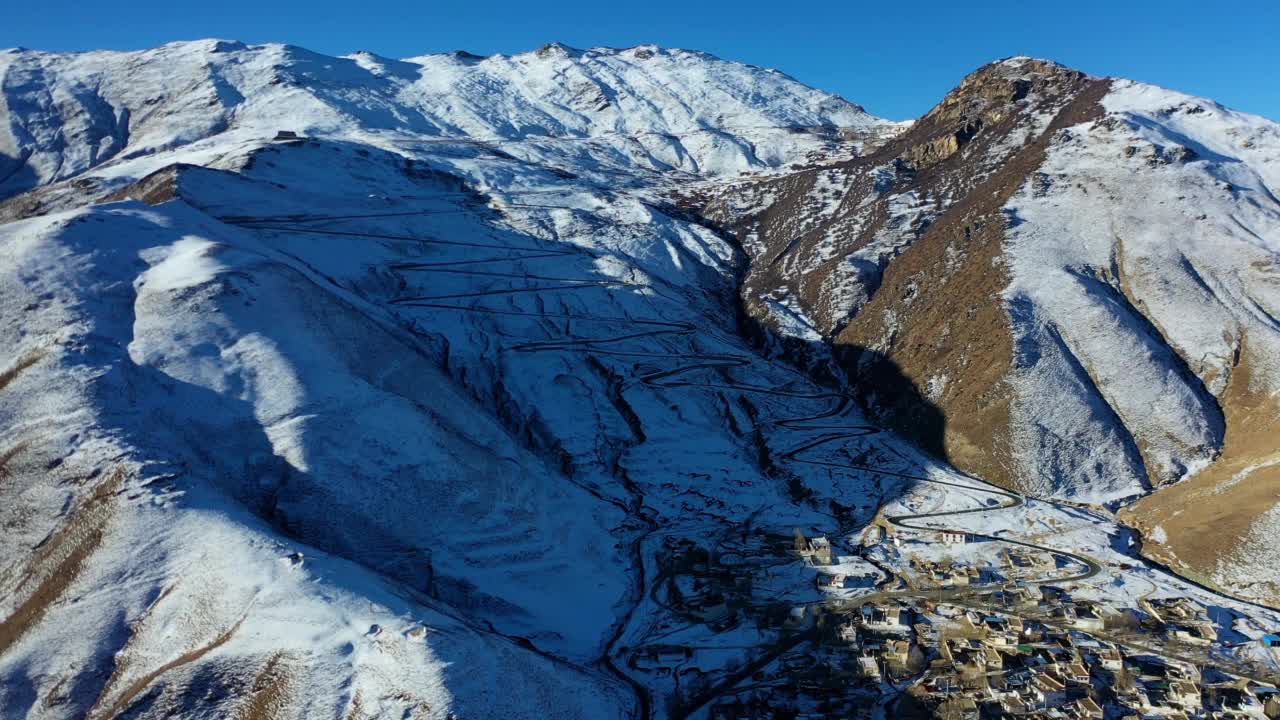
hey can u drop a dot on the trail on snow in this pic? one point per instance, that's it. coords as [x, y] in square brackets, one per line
[641, 329]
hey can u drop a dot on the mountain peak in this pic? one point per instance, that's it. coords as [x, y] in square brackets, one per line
[717, 116]
[557, 49]
[1000, 89]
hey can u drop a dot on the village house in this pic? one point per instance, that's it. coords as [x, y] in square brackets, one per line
[926, 633]
[833, 581]
[1075, 674]
[1083, 614]
[1175, 610]
[890, 618]
[1233, 700]
[821, 551]
[1012, 596]
[1048, 690]
[661, 659]
[1085, 709]
[817, 551]
[1196, 634]
[962, 653]
[1109, 658]
[899, 536]
[1185, 695]
[961, 575]
[998, 624]
[1022, 562]
[897, 652]
[1033, 632]
[1270, 699]
[1051, 595]
[1012, 705]
[869, 667]
[1134, 696]
[874, 535]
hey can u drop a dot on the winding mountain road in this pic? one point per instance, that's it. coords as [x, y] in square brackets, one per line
[672, 377]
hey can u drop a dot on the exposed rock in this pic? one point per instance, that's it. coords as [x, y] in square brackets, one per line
[903, 274]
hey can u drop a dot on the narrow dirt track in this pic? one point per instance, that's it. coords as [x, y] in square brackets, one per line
[673, 377]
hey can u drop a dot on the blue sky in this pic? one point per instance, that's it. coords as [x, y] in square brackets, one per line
[896, 58]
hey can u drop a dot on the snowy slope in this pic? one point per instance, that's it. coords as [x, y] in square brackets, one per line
[1151, 251]
[641, 107]
[237, 369]
[1139, 244]
[1078, 273]
[388, 371]
[374, 422]
[1147, 252]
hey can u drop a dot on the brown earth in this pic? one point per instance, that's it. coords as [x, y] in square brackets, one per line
[270, 694]
[26, 361]
[110, 708]
[930, 346]
[951, 321]
[1205, 518]
[937, 311]
[58, 561]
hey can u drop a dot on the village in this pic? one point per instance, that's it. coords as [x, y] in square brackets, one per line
[950, 629]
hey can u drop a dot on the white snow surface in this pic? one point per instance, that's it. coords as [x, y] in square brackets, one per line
[243, 358]
[1251, 568]
[1140, 261]
[409, 406]
[643, 107]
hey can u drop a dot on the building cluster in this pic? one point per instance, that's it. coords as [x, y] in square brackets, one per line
[1025, 563]
[816, 550]
[1182, 619]
[884, 531]
[705, 589]
[948, 573]
[840, 673]
[1033, 651]
[989, 665]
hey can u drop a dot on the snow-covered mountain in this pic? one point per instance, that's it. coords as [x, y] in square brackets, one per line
[360, 387]
[296, 413]
[643, 107]
[1078, 274]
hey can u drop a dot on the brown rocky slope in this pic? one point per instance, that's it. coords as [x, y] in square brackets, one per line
[1048, 280]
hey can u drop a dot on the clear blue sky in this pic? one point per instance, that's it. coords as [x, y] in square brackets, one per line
[895, 57]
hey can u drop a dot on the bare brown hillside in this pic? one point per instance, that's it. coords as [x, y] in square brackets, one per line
[922, 218]
[901, 264]
[1203, 526]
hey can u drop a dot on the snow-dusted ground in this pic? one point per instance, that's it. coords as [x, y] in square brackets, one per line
[634, 110]
[382, 420]
[1138, 272]
[331, 348]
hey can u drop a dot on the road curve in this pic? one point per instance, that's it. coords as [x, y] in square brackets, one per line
[666, 378]
[1008, 500]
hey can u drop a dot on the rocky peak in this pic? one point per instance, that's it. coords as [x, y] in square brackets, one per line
[988, 97]
[879, 253]
[556, 50]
